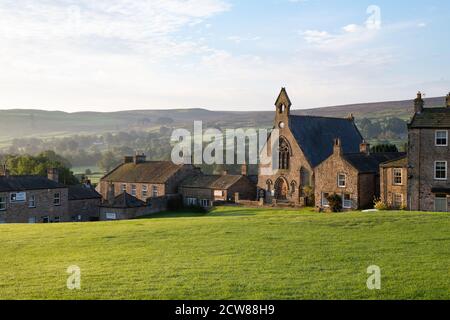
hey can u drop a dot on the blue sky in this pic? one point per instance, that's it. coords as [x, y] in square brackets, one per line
[110, 55]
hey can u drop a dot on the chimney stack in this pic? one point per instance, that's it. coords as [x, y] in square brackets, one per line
[351, 117]
[418, 103]
[337, 149]
[244, 169]
[364, 147]
[447, 101]
[139, 158]
[53, 174]
[128, 159]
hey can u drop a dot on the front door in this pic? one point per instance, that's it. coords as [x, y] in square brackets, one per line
[281, 189]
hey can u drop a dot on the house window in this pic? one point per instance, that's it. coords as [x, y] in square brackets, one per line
[57, 220]
[32, 201]
[205, 203]
[111, 216]
[2, 203]
[155, 192]
[32, 220]
[442, 138]
[46, 219]
[397, 200]
[123, 187]
[325, 202]
[191, 201]
[440, 170]
[144, 191]
[57, 199]
[342, 180]
[440, 203]
[133, 190]
[347, 202]
[398, 178]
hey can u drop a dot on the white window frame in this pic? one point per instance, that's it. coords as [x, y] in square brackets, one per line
[446, 203]
[123, 187]
[436, 138]
[155, 192]
[144, 191]
[435, 171]
[339, 180]
[204, 203]
[324, 200]
[191, 201]
[32, 201]
[111, 216]
[347, 204]
[394, 176]
[3, 202]
[57, 199]
[134, 190]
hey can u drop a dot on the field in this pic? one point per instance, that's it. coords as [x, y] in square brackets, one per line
[231, 253]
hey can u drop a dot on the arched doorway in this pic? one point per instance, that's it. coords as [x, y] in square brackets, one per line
[281, 189]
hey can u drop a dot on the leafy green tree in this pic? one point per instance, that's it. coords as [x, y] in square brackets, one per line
[384, 148]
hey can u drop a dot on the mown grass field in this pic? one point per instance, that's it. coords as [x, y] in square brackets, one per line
[231, 253]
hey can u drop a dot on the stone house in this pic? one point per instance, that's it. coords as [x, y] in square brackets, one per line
[205, 190]
[429, 157]
[145, 179]
[32, 199]
[304, 143]
[84, 203]
[394, 183]
[353, 176]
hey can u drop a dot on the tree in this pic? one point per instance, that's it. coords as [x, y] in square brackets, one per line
[108, 161]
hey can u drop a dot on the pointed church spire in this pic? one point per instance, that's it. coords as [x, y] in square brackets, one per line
[283, 98]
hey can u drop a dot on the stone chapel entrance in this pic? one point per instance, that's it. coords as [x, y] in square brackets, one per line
[281, 189]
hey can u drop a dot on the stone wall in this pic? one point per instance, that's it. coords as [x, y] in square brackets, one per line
[84, 210]
[20, 212]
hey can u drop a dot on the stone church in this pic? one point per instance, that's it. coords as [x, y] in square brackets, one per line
[304, 143]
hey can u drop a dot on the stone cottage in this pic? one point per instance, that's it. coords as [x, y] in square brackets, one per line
[205, 190]
[353, 176]
[304, 143]
[394, 183]
[429, 157]
[145, 179]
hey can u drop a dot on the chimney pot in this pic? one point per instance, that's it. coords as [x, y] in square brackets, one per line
[139, 158]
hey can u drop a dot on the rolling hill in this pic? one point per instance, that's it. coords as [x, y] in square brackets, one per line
[38, 123]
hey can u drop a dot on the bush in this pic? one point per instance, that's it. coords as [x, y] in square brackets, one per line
[380, 205]
[335, 202]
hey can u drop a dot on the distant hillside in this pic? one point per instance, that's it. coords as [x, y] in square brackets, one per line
[37, 123]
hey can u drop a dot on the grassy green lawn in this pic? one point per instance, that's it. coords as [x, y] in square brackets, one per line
[231, 253]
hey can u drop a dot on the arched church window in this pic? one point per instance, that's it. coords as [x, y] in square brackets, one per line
[284, 154]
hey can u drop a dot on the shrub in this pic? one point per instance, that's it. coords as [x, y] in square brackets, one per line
[335, 202]
[380, 205]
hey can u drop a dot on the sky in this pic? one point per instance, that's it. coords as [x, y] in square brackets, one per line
[111, 55]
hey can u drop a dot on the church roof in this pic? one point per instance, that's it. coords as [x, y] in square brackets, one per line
[315, 136]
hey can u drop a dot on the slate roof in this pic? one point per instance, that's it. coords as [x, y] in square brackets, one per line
[216, 182]
[316, 135]
[147, 172]
[397, 163]
[370, 163]
[81, 192]
[124, 201]
[26, 183]
[431, 118]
